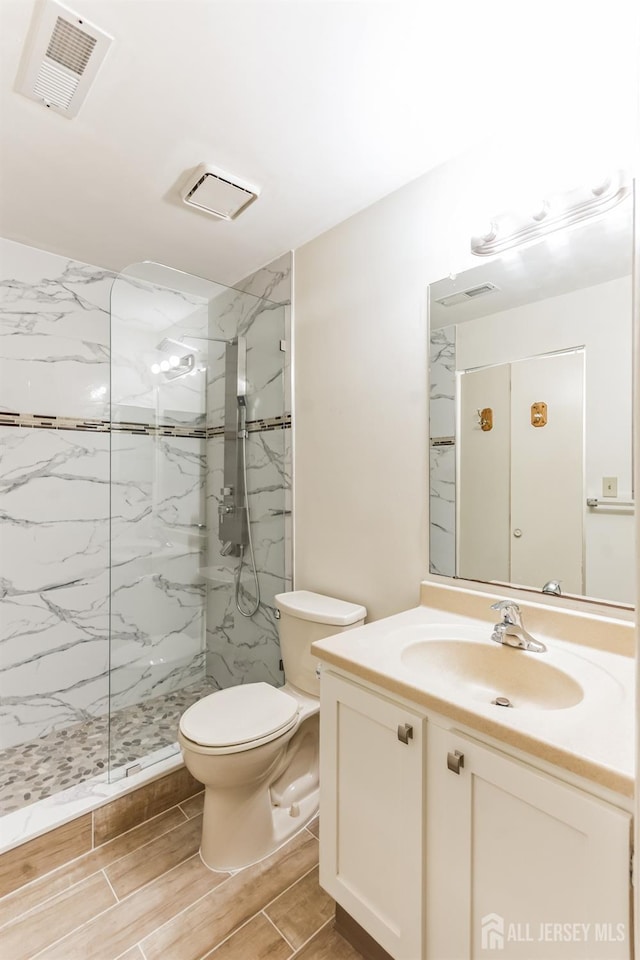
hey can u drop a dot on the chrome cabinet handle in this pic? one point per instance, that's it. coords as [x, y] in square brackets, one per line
[405, 732]
[455, 761]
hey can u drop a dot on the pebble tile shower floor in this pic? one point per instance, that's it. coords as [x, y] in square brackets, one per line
[32, 771]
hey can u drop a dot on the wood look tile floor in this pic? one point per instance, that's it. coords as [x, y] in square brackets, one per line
[146, 895]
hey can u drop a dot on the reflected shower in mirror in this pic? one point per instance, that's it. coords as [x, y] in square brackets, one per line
[531, 466]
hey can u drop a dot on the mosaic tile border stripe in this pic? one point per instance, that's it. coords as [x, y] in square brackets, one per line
[256, 426]
[159, 430]
[43, 422]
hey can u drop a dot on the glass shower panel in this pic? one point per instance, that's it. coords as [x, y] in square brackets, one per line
[170, 338]
[244, 649]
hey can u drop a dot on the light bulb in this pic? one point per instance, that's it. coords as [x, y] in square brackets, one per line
[155, 368]
[539, 210]
[488, 231]
[164, 365]
[601, 186]
[174, 361]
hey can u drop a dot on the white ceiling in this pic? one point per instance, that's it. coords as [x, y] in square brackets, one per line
[326, 105]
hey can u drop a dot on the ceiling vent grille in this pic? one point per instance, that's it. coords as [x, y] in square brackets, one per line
[213, 191]
[70, 46]
[470, 294]
[61, 58]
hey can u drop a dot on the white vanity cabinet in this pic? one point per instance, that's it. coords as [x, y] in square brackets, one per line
[520, 864]
[444, 848]
[372, 803]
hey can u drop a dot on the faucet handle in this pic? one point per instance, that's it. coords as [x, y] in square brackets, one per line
[510, 611]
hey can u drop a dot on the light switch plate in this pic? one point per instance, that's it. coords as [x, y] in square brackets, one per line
[609, 486]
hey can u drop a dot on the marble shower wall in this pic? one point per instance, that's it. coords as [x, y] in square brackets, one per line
[55, 488]
[54, 491]
[143, 315]
[158, 484]
[157, 543]
[54, 338]
[55, 448]
[442, 451]
[242, 650]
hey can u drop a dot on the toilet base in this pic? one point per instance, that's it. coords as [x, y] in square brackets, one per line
[260, 797]
[271, 827]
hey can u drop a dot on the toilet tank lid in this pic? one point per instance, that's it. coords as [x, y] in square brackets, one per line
[306, 605]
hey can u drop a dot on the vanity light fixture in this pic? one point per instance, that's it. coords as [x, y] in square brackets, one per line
[176, 367]
[552, 213]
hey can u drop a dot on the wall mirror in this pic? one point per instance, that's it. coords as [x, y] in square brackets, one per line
[530, 419]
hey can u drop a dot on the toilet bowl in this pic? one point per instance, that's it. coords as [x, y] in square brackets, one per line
[255, 746]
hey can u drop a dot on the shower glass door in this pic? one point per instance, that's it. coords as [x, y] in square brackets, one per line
[175, 630]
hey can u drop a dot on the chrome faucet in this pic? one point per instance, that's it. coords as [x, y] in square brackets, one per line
[511, 630]
[553, 587]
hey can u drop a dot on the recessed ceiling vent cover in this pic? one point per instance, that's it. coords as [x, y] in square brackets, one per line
[480, 291]
[217, 193]
[61, 59]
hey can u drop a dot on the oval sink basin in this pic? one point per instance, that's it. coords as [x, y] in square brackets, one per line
[489, 671]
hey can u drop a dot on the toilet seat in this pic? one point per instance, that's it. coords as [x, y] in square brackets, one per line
[240, 717]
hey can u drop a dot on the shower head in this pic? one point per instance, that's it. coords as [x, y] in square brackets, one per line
[167, 345]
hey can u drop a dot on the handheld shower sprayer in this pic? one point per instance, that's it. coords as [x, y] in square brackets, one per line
[242, 418]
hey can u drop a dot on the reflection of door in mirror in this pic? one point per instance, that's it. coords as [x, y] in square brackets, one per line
[521, 485]
[545, 306]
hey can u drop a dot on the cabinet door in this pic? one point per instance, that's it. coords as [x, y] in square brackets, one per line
[371, 802]
[519, 864]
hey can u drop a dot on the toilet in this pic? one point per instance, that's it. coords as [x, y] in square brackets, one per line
[255, 746]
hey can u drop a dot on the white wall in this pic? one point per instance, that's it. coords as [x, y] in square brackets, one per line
[360, 420]
[360, 362]
[360, 355]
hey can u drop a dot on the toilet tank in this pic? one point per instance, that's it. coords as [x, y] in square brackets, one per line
[304, 618]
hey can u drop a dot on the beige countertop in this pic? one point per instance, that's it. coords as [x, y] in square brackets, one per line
[592, 738]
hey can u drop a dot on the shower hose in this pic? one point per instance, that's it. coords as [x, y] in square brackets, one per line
[254, 608]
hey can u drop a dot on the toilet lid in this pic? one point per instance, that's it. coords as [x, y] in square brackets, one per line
[250, 711]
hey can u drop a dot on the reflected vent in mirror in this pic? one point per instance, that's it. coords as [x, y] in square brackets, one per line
[61, 58]
[471, 294]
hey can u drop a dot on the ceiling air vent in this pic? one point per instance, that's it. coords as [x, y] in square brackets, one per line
[481, 290]
[217, 193]
[61, 58]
